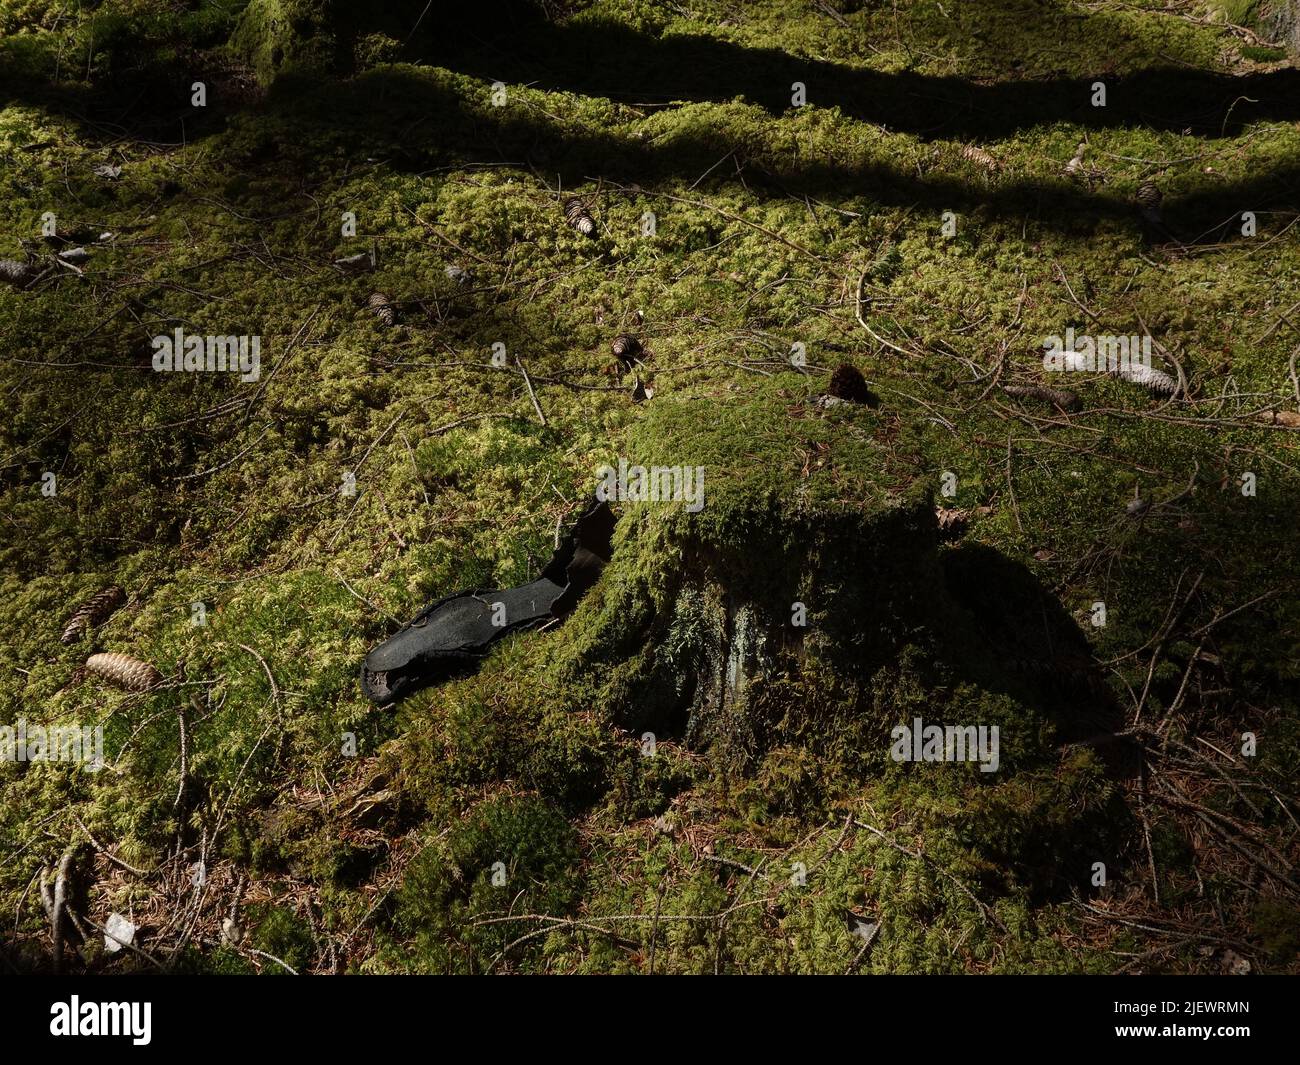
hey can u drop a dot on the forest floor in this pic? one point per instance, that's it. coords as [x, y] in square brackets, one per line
[925, 191]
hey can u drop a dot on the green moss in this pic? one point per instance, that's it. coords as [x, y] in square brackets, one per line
[1276, 923]
[200, 488]
[293, 36]
[282, 934]
[1238, 12]
[512, 855]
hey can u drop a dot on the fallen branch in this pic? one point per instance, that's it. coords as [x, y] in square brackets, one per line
[54, 901]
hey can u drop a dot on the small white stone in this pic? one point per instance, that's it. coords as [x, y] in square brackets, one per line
[231, 933]
[118, 933]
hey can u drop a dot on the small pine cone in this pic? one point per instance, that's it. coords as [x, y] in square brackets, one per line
[15, 273]
[577, 215]
[124, 671]
[847, 383]
[626, 348]
[383, 307]
[1148, 199]
[1058, 397]
[1156, 380]
[979, 157]
[94, 611]
[952, 522]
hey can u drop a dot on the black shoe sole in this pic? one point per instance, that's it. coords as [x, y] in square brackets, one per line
[452, 635]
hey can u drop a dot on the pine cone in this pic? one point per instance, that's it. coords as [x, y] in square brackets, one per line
[124, 671]
[577, 215]
[979, 156]
[383, 307]
[1057, 397]
[94, 611]
[847, 383]
[952, 522]
[626, 348]
[1156, 380]
[20, 275]
[1281, 417]
[1148, 199]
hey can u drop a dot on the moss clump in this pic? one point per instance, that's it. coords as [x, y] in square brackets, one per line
[512, 855]
[774, 226]
[287, 36]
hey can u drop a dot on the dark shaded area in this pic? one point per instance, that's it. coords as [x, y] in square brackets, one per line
[516, 42]
[428, 125]
[1024, 631]
[618, 62]
[418, 124]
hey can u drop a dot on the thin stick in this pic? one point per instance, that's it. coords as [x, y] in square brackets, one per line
[1151, 855]
[100, 848]
[185, 755]
[1011, 491]
[531, 394]
[466, 420]
[275, 688]
[362, 599]
[271, 957]
[863, 322]
[415, 466]
[374, 443]
[230, 462]
[866, 946]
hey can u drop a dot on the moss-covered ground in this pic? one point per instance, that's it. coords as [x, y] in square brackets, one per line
[917, 218]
